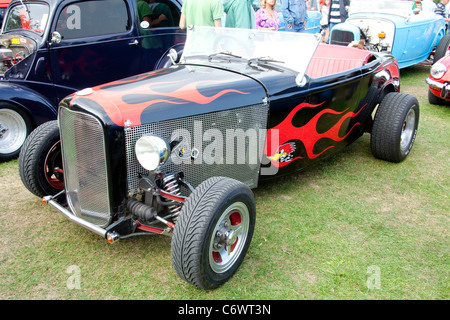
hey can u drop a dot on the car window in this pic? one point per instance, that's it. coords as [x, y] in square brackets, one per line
[93, 18]
[30, 16]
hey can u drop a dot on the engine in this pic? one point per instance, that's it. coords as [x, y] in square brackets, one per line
[6, 60]
[14, 49]
[376, 34]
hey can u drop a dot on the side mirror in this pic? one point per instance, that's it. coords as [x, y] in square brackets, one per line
[173, 55]
[56, 37]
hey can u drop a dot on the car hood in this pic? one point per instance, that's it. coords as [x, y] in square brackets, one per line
[175, 92]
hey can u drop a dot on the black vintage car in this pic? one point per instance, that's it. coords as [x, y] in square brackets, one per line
[177, 151]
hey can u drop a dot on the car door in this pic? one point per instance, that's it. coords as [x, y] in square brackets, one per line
[156, 40]
[93, 42]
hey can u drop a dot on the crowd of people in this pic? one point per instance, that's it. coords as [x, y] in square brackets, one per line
[240, 13]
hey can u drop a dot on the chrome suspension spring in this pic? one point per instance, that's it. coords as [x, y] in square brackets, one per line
[171, 185]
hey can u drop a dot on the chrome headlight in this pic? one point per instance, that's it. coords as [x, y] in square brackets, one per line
[152, 152]
[438, 70]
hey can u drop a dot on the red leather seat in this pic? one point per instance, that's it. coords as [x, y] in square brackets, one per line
[330, 59]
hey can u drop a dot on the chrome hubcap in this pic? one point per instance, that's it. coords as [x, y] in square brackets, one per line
[229, 237]
[408, 130]
[13, 130]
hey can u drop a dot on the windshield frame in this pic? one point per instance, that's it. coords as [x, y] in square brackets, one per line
[44, 17]
[287, 50]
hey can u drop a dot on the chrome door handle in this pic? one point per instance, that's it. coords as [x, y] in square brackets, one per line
[134, 42]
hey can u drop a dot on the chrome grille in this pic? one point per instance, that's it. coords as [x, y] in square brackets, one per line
[85, 170]
[240, 120]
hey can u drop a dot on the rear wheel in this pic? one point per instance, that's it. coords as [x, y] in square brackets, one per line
[395, 127]
[15, 125]
[40, 161]
[213, 232]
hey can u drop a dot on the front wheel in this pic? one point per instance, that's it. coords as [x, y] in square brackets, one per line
[213, 232]
[40, 161]
[432, 99]
[395, 127]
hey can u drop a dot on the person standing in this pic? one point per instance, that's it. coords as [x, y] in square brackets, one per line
[267, 17]
[201, 13]
[324, 20]
[240, 14]
[295, 15]
[338, 12]
[441, 10]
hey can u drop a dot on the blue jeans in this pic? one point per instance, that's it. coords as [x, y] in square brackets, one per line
[296, 28]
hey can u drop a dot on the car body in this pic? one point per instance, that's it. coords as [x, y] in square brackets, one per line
[438, 82]
[66, 46]
[178, 150]
[411, 36]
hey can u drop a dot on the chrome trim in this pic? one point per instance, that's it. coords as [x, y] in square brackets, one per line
[69, 215]
[435, 84]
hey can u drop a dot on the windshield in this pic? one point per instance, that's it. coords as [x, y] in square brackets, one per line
[30, 16]
[397, 7]
[285, 49]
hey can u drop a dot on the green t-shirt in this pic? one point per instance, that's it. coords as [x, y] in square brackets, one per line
[202, 12]
[240, 14]
[143, 9]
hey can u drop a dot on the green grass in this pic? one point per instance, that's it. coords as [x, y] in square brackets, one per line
[319, 233]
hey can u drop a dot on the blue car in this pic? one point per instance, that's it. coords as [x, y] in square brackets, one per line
[410, 35]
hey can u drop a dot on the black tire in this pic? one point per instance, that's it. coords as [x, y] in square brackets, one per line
[220, 211]
[395, 127]
[15, 126]
[432, 99]
[40, 161]
[442, 48]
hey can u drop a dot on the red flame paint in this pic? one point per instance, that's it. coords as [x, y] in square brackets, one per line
[113, 104]
[307, 133]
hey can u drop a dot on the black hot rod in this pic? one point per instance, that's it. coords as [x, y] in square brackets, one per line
[177, 151]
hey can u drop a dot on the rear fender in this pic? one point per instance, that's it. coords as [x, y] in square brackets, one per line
[38, 107]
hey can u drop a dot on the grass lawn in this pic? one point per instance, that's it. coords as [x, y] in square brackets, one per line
[353, 227]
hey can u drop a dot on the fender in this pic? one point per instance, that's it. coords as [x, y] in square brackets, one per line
[165, 61]
[438, 37]
[39, 108]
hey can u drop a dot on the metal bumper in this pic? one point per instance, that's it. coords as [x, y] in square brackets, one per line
[444, 88]
[109, 236]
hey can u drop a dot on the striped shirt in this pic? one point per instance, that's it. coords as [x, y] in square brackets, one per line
[335, 15]
[440, 9]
